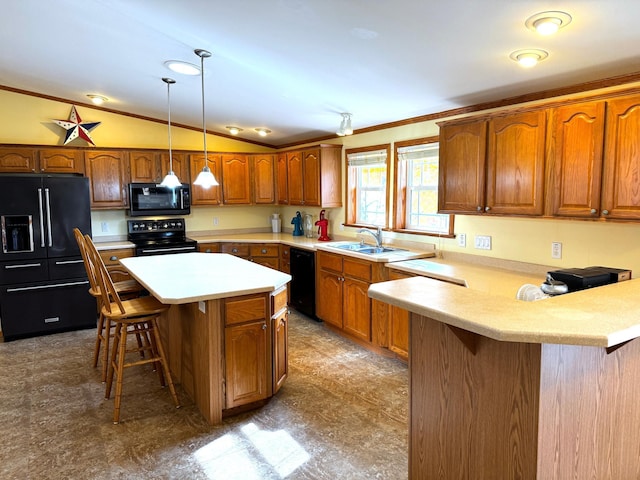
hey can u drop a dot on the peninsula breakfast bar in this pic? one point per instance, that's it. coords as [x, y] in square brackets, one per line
[222, 333]
[505, 389]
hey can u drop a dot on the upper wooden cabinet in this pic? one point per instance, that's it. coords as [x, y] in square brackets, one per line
[516, 164]
[236, 179]
[461, 181]
[263, 166]
[575, 159]
[46, 160]
[152, 166]
[621, 179]
[200, 195]
[145, 166]
[282, 180]
[493, 166]
[108, 173]
[313, 177]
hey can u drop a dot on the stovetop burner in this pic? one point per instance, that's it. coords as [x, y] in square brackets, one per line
[157, 237]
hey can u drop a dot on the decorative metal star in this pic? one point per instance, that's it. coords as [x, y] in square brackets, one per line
[76, 128]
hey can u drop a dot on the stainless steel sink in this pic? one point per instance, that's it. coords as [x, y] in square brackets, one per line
[366, 249]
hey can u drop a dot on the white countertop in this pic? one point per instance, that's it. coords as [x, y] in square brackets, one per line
[191, 277]
[604, 316]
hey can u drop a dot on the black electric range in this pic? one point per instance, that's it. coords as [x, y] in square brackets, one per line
[159, 237]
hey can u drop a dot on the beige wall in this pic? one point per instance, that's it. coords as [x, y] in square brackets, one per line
[27, 120]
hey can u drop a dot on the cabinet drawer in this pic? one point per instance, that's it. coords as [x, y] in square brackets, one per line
[329, 261]
[112, 257]
[209, 247]
[263, 250]
[245, 309]
[239, 249]
[357, 269]
[278, 301]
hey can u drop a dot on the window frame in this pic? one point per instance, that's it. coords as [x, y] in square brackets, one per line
[351, 191]
[400, 191]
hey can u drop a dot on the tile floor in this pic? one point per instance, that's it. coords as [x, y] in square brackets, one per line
[342, 414]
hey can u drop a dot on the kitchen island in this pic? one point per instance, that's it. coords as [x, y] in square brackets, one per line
[501, 388]
[226, 333]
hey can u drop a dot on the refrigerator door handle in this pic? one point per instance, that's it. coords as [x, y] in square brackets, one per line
[22, 265]
[67, 262]
[40, 205]
[46, 196]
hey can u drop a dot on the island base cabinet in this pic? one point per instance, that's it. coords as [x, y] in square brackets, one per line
[486, 409]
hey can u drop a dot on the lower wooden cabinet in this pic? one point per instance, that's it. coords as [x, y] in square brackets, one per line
[398, 324]
[111, 259]
[342, 283]
[209, 247]
[256, 347]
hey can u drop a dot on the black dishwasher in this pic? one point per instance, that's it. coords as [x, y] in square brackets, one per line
[303, 281]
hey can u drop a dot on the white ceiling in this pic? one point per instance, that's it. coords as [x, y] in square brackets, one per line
[294, 65]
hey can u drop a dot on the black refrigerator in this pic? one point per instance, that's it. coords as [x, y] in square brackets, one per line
[43, 283]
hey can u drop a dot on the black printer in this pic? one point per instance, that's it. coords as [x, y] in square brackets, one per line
[588, 277]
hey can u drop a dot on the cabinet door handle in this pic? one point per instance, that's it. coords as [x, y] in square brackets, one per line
[605, 212]
[113, 258]
[264, 250]
[479, 208]
[264, 326]
[486, 209]
[594, 211]
[234, 250]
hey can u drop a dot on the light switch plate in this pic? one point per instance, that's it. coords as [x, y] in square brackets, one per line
[483, 242]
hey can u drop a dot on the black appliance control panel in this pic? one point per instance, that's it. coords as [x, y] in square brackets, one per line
[145, 226]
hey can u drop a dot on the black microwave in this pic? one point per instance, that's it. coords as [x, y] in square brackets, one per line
[147, 199]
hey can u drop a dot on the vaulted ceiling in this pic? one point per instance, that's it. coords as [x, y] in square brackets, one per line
[293, 66]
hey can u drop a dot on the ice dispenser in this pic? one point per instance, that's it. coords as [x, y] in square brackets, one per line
[17, 233]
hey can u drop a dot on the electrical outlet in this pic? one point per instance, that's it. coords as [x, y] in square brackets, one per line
[483, 242]
[215, 221]
[556, 250]
[462, 240]
[104, 227]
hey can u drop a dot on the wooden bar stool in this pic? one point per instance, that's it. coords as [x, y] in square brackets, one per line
[137, 316]
[126, 289]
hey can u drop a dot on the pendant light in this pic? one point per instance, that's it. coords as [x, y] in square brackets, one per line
[205, 178]
[170, 180]
[345, 125]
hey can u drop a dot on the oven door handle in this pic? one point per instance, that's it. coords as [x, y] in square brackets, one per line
[169, 249]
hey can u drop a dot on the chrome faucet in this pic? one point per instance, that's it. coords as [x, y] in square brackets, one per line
[377, 235]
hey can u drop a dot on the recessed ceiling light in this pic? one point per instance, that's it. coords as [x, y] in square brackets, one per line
[263, 132]
[529, 57]
[233, 130]
[97, 99]
[185, 68]
[548, 23]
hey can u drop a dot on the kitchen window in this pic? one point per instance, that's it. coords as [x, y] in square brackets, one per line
[416, 196]
[367, 186]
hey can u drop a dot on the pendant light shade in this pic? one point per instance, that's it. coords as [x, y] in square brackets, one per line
[345, 125]
[205, 178]
[170, 180]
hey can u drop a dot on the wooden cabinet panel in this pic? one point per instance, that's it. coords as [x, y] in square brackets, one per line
[111, 259]
[311, 177]
[200, 195]
[576, 152]
[329, 261]
[462, 167]
[61, 161]
[515, 164]
[209, 247]
[329, 297]
[17, 159]
[359, 269]
[144, 166]
[245, 309]
[236, 183]
[295, 176]
[621, 179]
[235, 248]
[285, 258]
[399, 324]
[246, 374]
[108, 173]
[263, 250]
[280, 342]
[263, 179]
[282, 180]
[180, 166]
[357, 308]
